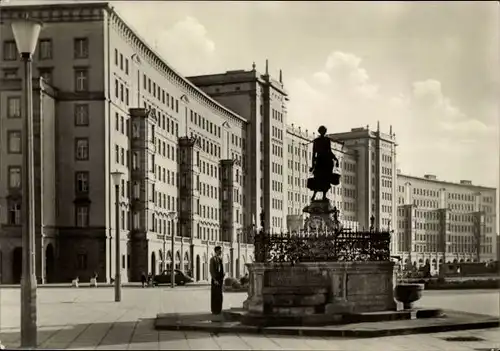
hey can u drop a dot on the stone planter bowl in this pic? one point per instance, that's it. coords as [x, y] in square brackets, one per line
[407, 293]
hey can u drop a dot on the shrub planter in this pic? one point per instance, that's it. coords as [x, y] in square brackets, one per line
[408, 293]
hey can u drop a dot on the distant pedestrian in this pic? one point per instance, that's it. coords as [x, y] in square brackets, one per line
[217, 273]
[150, 279]
[143, 279]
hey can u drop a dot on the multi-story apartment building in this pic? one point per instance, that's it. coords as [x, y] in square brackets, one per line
[299, 160]
[116, 105]
[261, 100]
[374, 184]
[368, 158]
[214, 150]
[11, 126]
[442, 222]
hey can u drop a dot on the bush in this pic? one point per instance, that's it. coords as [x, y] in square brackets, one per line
[230, 282]
[244, 280]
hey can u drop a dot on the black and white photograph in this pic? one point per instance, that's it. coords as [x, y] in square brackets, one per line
[249, 175]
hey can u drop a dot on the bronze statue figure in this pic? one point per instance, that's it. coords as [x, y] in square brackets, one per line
[322, 165]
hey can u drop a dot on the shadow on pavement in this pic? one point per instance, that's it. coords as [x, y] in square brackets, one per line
[89, 336]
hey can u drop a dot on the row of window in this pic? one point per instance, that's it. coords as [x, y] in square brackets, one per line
[276, 168]
[292, 196]
[298, 151]
[45, 49]
[210, 127]
[386, 158]
[14, 145]
[121, 61]
[160, 94]
[278, 116]
[165, 122]
[276, 150]
[43, 72]
[122, 92]
[277, 133]
[208, 146]
[277, 204]
[275, 185]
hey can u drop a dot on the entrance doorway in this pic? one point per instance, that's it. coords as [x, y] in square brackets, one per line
[49, 264]
[197, 267]
[17, 265]
[153, 264]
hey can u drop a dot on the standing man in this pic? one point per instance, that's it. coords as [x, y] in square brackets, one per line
[217, 273]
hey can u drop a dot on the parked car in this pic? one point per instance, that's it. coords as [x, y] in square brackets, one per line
[164, 278]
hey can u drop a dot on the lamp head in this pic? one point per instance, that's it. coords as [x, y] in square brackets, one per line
[117, 176]
[26, 32]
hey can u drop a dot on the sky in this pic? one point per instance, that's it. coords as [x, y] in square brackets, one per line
[429, 69]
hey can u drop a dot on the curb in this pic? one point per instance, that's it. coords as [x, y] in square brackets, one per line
[323, 332]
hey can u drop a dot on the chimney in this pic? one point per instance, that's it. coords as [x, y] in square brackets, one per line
[390, 130]
[430, 176]
[378, 126]
[281, 77]
[466, 182]
[253, 66]
[267, 67]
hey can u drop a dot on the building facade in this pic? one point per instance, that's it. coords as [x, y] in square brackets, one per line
[201, 159]
[262, 101]
[117, 106]
[444, 222]
[11, 127]
[367, 157]
[299, 161]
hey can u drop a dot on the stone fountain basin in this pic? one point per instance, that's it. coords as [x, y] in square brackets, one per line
[407, 293]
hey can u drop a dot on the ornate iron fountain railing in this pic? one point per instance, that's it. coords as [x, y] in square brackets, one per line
[323, 247]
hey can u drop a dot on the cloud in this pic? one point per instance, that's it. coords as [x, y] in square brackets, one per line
[434, 135]
[187, 46]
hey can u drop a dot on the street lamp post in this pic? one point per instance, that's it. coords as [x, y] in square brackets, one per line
[116, 175]
[26, 34]
[238, 238]
[171, 216]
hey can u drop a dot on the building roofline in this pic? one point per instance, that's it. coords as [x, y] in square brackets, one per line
[244, 77]
[105, 5]
[447, 182]
[202, 94]
[169, 67]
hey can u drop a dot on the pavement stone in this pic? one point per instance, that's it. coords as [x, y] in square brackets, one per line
[83, 319]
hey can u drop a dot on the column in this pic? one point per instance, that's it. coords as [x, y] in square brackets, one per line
[227, 201]
[189, 195]
[140, 160]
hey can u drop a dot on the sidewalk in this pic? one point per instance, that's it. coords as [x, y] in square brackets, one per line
[99, 285]
[90, 319]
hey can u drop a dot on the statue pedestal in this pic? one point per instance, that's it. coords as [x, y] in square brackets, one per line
[322, 216]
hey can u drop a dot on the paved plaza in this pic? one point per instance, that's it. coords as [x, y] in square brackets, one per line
[88, 318]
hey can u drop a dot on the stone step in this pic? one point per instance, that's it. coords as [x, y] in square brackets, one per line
[295, 300]
[320, 319]
[294, 290]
